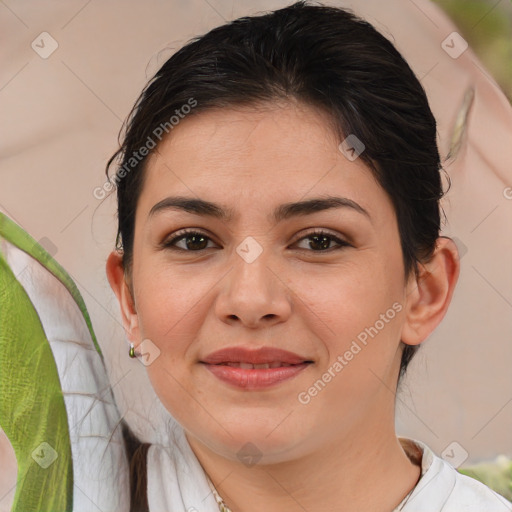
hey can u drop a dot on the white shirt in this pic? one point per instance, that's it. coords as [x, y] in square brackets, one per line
[442, 488]
[177, 482]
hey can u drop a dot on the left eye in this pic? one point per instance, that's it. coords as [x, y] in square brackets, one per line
[323, 239]
[196, 241]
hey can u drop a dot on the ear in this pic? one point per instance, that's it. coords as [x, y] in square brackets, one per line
[430, 293]
[118, 283]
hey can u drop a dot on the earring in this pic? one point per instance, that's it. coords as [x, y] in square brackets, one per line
[131, 353]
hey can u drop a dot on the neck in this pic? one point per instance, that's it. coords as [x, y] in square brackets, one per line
[366, 470]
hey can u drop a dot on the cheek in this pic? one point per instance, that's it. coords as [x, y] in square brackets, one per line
[171, 305]
[171, 308]
[353, 297]
[360, 309]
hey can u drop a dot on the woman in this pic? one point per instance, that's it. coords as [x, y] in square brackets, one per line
[278, 264]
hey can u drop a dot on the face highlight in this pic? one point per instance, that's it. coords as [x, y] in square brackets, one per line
[254, 230]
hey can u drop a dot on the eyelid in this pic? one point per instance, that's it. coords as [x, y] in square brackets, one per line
[320, 232]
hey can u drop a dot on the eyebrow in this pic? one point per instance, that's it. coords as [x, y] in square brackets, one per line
[282, 212]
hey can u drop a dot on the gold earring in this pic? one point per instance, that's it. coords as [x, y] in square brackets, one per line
[131, 353]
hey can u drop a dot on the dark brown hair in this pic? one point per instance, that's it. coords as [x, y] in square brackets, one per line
[137, 460]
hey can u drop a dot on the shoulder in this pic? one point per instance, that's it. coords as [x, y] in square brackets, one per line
[474, 495]
[442, 488]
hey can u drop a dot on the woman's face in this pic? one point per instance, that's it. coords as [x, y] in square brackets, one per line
[259, 278]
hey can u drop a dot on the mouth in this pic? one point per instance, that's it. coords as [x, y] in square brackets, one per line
[252, 369]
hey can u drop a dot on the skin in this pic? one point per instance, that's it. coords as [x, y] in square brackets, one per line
[295, 296]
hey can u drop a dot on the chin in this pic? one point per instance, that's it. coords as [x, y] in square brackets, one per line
[254, 442]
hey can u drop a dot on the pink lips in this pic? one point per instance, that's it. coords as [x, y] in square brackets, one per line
[254, 368]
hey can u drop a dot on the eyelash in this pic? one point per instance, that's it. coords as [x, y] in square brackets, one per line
[170, 243]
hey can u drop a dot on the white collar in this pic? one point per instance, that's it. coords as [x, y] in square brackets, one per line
[177, 482]
[442, 488]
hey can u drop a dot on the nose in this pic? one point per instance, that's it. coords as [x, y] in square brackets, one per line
[254, 294]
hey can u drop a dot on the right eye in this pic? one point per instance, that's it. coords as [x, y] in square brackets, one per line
[194, 241]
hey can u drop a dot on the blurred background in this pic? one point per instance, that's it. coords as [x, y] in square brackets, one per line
[487, 26]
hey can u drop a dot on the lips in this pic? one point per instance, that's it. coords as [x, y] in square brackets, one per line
[261, 366]
[252, 369]
[258, 356]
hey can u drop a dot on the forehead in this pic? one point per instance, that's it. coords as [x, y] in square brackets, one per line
[256, 156]
[251, 134]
